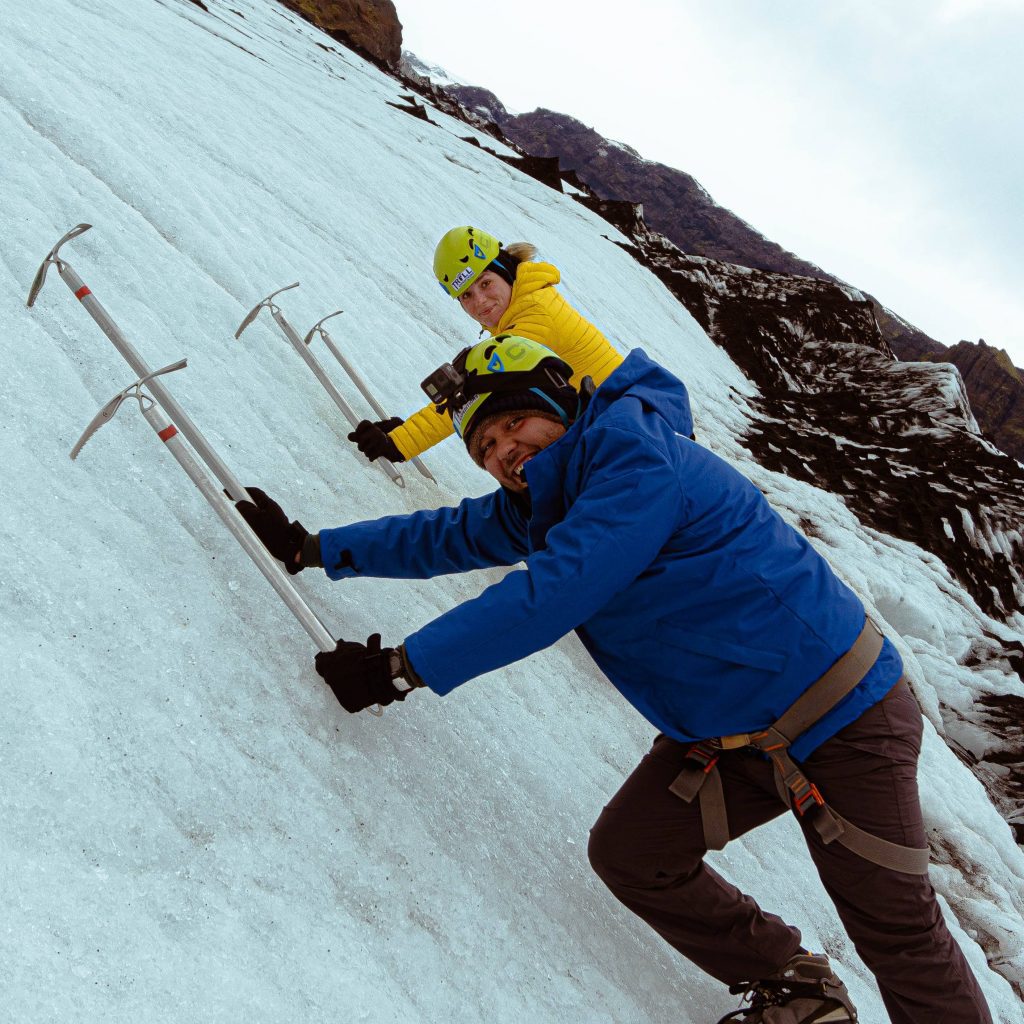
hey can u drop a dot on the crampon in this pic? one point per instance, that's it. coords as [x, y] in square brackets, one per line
[804, 991]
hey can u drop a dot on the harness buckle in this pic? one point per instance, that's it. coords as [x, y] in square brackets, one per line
[705, 755]
[734, 742]
[805, 794]
[806, 797]
[700, 759]
[807, 800]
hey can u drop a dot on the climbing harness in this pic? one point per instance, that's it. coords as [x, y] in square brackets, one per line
[701, 778]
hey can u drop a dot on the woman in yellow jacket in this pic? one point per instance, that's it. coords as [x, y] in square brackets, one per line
[504, 290]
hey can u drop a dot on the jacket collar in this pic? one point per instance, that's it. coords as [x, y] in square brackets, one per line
[530, 278]
[639, 377]
[658, 390]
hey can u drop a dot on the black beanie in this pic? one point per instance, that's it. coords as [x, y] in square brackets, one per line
[504, 265]
[556, 403]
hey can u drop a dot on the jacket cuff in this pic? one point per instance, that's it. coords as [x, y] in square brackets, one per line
[310, 557]
[335, 557]
[408, 673]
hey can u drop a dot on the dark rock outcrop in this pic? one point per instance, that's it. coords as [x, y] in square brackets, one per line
[476, 107]
[478, 102]
[996, 388]
[370, 27]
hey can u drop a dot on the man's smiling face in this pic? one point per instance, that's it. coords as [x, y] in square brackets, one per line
[503, 444]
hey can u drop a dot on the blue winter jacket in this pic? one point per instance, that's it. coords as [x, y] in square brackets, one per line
[703, 607]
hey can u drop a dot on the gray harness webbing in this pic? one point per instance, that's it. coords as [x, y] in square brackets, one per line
[701, 778]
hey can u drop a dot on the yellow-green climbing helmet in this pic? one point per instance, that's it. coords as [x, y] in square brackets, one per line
[517, 373]
[462, 256]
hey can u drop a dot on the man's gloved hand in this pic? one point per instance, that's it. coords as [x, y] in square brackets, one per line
[373, 441]
[282, 539]
[359, 674]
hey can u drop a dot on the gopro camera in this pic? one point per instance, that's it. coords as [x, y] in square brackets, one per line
[445, 383]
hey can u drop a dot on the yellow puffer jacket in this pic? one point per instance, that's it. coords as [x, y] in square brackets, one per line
[535, 311]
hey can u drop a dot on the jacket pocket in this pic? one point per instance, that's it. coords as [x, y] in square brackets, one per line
[722, 650]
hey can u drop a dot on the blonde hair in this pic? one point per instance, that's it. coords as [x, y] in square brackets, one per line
[524, 251]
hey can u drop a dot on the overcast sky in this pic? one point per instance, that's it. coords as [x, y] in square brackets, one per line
[883, 142]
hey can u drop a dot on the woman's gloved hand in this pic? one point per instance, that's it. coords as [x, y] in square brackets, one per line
[359, 674]
[373, 441]
[282, 539]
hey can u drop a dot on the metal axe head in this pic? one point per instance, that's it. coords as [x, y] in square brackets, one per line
[255, 311]
[317, 326]
[51, 257]
[109, 411]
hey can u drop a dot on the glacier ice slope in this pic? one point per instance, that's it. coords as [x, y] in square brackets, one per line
[193, 830]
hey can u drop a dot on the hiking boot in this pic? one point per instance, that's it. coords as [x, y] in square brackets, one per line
[803, 991]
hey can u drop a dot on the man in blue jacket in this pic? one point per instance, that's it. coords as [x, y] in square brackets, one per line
[720, 624]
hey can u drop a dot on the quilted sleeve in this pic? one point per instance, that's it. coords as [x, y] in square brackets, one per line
[421, 431]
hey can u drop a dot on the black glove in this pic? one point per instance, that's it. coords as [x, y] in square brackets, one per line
[373, 441]
[359, 674]
[282, 539]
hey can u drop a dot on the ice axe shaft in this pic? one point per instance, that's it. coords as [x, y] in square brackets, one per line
[357, 379]
[314, 364]
[251, 544]
[106, 324]
[321, 375]
[225, 509]
[253, 547]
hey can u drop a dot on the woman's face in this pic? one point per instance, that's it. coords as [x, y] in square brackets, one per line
[487, 299]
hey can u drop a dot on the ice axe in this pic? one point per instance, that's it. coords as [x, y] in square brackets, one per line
[313, 363]
[225, 509]
[356, 377]
[135, 361]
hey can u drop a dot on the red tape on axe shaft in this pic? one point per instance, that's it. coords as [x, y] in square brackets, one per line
[82, 292]
[167, 433]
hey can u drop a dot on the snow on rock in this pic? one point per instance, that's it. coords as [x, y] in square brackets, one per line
[193, 829]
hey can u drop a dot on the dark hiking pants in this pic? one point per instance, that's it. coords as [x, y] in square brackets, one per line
[648, 848]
